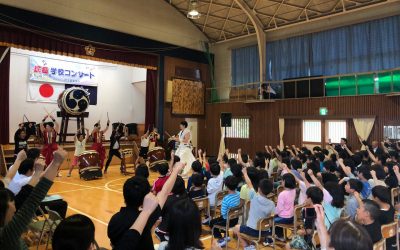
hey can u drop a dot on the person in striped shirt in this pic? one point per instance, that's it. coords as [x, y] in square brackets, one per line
[231, 200]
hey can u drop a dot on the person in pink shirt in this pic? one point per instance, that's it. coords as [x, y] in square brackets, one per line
[284, 210]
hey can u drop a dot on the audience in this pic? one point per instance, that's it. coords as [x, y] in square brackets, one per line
[284, 210]
[197, 191]
[159, 183]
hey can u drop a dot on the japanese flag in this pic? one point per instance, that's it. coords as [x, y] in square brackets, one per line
[44, 92]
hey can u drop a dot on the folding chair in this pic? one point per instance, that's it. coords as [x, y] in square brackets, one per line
[246, 212]
[40, 225]
[380, 245]
[390, 230]
[203, 204]
[218, 200]
[395, 192]
[233, 213]
[262, 225]
[54, 219]
[297, 222]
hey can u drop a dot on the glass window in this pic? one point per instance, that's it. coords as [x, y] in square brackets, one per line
[336, 130]
[240, 128]
[311, 131]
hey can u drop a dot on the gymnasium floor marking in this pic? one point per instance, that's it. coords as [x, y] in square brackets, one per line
[73, 190]
[91, 217]
[96, 187]
[107, 185]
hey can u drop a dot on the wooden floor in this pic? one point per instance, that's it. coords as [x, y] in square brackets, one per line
[100, 199]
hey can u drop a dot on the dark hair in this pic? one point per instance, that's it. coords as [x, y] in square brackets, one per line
[302, 157]
[252, 172]
[317, 148]
[179, 186]
[325, 151]
[96, 125]
[184, 225]
[237, 171]
[231, 183]
[33, 153]
[382, 193]
[364, 170]
[379, 171]
[162, 168]
[320, 156]
[245, 158]
[75, 232]
[315, 194]
[259, 162]
[26, 165]
[6, 196]
[290, 181]
[184, 123]
[262, 174]
[232, 162]
[142, 170]
[197, 180]
[197, 167]
[335, 190]
[225, 158]
[176, 159]
[2, 184]
[135, 189]
[296, 164]
[266, 186]
[347, 234]
[330, 166]
[372, 208]
[50, 124]
[344, 139]
[215, 169]
[356, 185]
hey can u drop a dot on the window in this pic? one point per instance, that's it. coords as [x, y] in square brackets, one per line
[391, 132]
[240, 128]
[311, 131]
[335, 130]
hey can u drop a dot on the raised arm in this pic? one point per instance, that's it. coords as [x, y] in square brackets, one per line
[12, 171]
[396, 172]
[42, 128]
[247, 179]
[385, 149]
[371, 155]
[315, 179]
[348, 150]
[169, 184]
[321, 228]
[107, 127]
[346, 170]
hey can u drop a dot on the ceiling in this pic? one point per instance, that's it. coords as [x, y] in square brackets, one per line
[224, 19]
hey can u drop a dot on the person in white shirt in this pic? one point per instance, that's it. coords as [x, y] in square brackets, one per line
[80, 146]
[144, 148]
[214, 184]
[22, 177]
[184, 151]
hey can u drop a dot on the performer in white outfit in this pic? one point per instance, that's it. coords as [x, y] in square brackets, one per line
[184, 150]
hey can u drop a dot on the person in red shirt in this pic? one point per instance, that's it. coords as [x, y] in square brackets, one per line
[49, 131]
[159, 183]
[97, 135]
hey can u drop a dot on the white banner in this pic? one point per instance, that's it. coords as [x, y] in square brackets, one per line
[58, 71]
[44, 92]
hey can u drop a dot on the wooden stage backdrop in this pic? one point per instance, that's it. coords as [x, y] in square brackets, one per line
[264, 127]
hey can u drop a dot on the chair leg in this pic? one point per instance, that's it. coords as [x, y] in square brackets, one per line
[257, 246]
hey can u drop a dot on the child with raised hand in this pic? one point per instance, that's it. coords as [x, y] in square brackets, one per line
[80, 146]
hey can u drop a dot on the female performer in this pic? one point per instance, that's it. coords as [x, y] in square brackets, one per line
[184, 150]
[49, 131]
[97, 135]
[153, 137]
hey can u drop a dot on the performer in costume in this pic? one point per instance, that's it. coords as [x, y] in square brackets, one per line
[49, 131]
[153, 137]
[80, 146]
[97, 135]
[116, 135]
[20, 140]
[144, 148]
[184, 150]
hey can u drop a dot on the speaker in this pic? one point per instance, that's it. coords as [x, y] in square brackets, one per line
[226, 119]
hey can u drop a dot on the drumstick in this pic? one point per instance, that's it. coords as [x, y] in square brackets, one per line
[46, 111]
[108, 118]
[167, 134]
[52, 111]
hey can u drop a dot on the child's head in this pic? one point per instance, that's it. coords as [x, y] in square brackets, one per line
[197, 167]
[22, 134]
[315, 195]
[162, 168]
[26, 167]
[245, 158]
[336, 192]
[231, 162]
[381, 194]
[75, 232]
[329, 166]
[142, 170]
[288, 181]
[296, 164]
[252, 172]
[353, 185]
[364, 173]
[179, 186]
[231, 183]
[215, 169]
[265, 186]
[237, 171]
[134, 191]
[197, 180]
[7, 206]
[80, 137]
[49, 126]
[33, 153]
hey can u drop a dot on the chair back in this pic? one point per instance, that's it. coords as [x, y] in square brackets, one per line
[219, 196]
[203, 204]
[235, 212]
[395, 192]
[54, 218]
[297, 221]
[380, 245]
[389, 230]
[246, 211]
[265, 223]
[315, 240]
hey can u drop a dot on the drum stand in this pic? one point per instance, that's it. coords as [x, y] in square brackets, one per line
[80, 123]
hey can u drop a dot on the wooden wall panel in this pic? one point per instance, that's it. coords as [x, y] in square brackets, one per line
[171, 122]
[264, 119]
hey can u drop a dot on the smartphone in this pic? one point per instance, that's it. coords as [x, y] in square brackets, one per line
[310, 213]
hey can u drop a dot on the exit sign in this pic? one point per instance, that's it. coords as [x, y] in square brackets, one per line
[323, 111]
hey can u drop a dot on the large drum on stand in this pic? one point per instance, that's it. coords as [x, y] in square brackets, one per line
[156, 155]
[74, 101]
[89, 168]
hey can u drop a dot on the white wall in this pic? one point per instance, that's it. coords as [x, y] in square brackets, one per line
[116, 94]
[153, 19]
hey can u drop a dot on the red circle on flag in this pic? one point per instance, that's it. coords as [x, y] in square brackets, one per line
[46, 90]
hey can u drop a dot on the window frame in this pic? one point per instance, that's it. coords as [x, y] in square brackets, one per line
[228, 136]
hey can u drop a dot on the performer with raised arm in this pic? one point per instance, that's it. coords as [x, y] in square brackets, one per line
[49, 131]
[80, 146]
[117, 134]
[97, 135]
[184, 150]
[154, 136]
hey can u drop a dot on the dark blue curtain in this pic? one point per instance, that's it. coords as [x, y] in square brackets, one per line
[245, 65]
[369, 46]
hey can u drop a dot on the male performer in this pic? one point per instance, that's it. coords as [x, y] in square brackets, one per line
[97, 135]
[116, 135]
[49, 131]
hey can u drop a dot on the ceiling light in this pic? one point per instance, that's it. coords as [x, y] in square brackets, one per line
[193, 12]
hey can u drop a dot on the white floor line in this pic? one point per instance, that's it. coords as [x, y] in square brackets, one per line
[91, 217]
[86, 186]
[205, 238]
[73, 190]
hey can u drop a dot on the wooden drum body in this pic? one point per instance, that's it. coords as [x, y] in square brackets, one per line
[88, 163]
[156, 155]
[74, 101]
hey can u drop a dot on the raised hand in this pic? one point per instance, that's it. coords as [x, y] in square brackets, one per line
[150, 202]
[21, 156]
[396, 169]
[310, 172]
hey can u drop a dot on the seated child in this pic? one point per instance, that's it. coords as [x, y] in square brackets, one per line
[159, 183]
[196, 191]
